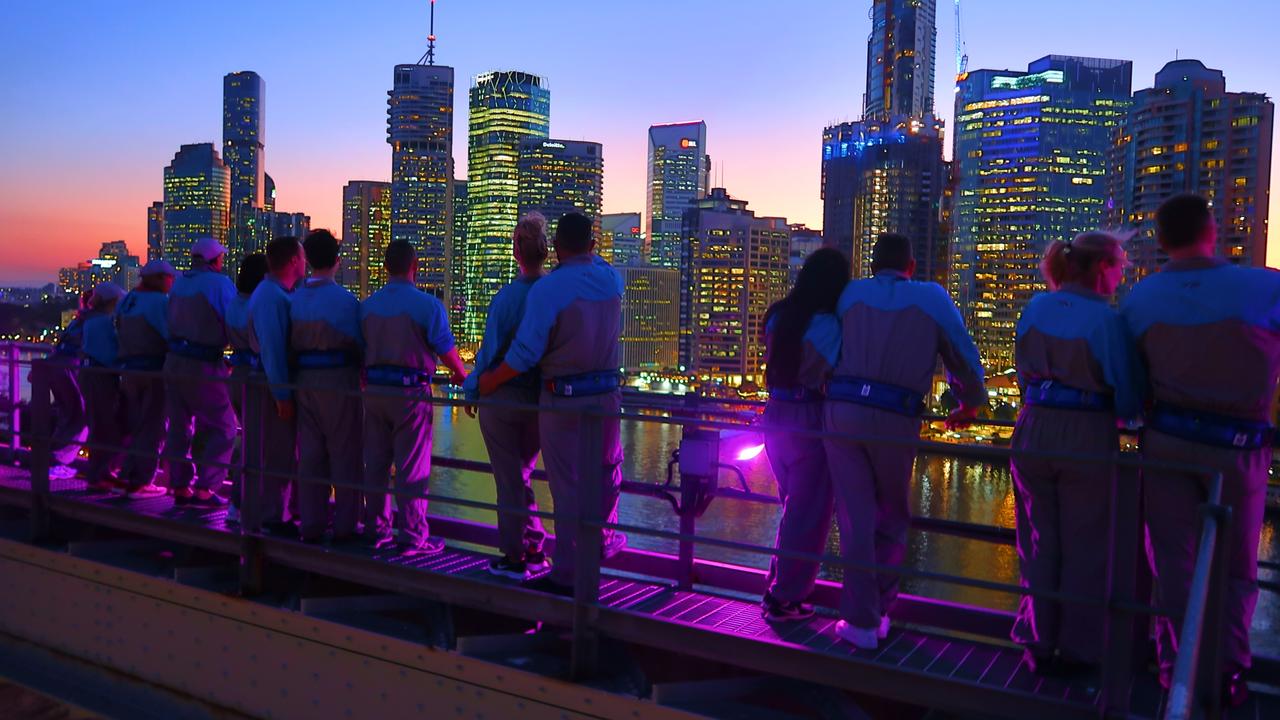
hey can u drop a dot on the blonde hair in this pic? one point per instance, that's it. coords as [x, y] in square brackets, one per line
[1079, 260]
[529, 239]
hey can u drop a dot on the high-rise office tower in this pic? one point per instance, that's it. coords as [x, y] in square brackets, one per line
[420, 131]
[557, 177]
[621, 238]
[155, 231]
[1188, 134]
[507, 107]
[287, 224]
[803, 242]
[113, 264]
[268, 193]
[678, 172]
[1031, 153]
[243, 143]
[650, 318]
[458, 267]
[885, 173]
[738, 265]
[366, 232]
[197, 201]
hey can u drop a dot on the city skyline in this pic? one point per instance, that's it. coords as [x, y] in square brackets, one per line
[328, 123]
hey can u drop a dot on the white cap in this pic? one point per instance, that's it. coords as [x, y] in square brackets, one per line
[208, 248]
[106, 292]
[157, 267]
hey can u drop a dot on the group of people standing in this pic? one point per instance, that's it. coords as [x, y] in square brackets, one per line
[1192, 356]
[334, 395]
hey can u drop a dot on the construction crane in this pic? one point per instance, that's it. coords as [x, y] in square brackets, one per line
[962, 57]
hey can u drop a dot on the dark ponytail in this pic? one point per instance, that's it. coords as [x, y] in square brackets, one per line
[1079, 260]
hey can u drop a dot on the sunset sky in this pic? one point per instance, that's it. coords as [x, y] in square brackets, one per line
[97, 96]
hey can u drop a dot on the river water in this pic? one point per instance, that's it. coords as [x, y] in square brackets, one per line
[944, 488]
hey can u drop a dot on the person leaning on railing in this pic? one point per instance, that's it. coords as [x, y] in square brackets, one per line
[59, 372]
[142, 322]
[244, 361]
[511, 433]
[406, 331]
[324, 333]
[101, 387]
[570, 332]
[802, 345]
[1079, 371]
[894, 329]
[1208, 333]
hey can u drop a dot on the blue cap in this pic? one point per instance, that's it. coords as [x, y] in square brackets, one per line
[208, 248]
[157, 267]
[105, 292]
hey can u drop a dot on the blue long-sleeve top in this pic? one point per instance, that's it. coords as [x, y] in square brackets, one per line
[562, 343]
[198, 306]
[404, 327]
[71, 337]
[1073, 337]
[324, 316]
[142, 323]
[100, 344]
[505, 313]
[238, 323]
[269, 333]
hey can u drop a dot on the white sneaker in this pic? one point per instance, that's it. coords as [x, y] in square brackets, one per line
[883, 631]
[862, 638]
[62, 472]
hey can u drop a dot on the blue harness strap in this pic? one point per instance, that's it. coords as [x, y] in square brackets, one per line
[586, 384]
[1052, 394]
[878, 395]
[325, 359]
[396, 376]
[796, 394]
[246, 358]
[142, 362]
[194, 350]
[1209, 429]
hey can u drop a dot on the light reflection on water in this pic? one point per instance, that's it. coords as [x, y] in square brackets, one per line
[945, 488]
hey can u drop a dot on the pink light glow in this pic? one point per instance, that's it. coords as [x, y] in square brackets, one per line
[750, 452]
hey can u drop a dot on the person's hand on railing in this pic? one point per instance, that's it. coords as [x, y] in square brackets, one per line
[960, 418]
[285, 409]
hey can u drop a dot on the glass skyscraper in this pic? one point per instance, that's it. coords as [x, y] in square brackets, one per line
[420, 131]
[650, 318]
[366, 232]
[155, 231]
[1031, 150]
[244, 120]
[900, 58]
[559, 177]
[621, 238]
[1188, 134]
[678, 177]
[506, 108]
[458, 265]
[197, 201]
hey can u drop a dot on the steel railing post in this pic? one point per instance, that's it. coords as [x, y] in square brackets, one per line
[13, 356]
[587, 554]
[41, 451]
[1125, 545]
[1213, 645]
[252, 454]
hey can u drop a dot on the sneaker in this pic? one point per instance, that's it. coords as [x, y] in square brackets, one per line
[206, 499]
[150, 490]
[537, 563]
[613, 544]
[551, 587]
[380, 542]
[233, 515]
[861, 638]
[61, 472]
[775, 610]
[508, 568]
[883, 631]
[430, 546]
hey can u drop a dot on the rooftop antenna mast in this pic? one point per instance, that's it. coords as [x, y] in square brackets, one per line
[962, 57]
[430, 57]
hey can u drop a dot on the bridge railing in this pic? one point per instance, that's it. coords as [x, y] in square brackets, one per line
[1120, 609]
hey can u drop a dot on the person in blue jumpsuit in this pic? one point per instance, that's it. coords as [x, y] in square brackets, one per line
[511, 433]
[406, 333]
[142, 322]
[101, 387]
[197, 398]
[270, 416]
[893, 331]
[1208, 334]
[243, 358]
[570, 333]
[324, 333]
[69, 427]
[1079, 373]
[802, 345]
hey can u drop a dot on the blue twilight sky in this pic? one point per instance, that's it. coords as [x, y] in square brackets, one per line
[97, 95]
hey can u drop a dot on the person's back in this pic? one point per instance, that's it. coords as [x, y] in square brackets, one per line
[324, 317]
[1208, 334]
[198, 308]
[142, 323]
[142, 320]
[101, 386]
[580, 304]
[404, 327]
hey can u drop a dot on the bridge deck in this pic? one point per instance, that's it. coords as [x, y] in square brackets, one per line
[977, 668]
